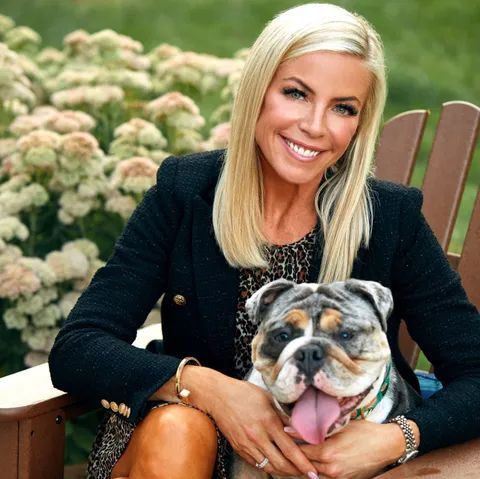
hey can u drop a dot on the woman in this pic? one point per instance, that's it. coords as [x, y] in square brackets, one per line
[292, 197]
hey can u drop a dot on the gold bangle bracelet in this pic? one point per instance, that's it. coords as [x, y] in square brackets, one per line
[183, 393]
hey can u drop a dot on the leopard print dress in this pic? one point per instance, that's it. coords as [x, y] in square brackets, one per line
[292, 262]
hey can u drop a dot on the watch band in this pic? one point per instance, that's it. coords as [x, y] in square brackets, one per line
[410, 444]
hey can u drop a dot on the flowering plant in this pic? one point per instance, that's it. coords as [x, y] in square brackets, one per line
[83, 131]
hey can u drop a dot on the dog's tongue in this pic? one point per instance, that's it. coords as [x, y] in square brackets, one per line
[313, 414]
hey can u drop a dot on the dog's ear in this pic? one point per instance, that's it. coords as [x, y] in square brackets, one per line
[379, 296]
[261, 300]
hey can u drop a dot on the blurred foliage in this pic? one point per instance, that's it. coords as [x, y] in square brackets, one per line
[431, 46]
[12, 350]
[80, 434]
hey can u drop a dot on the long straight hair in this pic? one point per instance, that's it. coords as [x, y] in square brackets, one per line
[342, 202]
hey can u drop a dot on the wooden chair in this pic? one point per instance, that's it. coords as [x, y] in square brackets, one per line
[443, 184]
[33, 413]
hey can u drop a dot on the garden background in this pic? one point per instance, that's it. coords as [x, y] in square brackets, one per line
[432, 57]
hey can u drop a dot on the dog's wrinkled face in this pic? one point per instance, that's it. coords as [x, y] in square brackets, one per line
[321, 346]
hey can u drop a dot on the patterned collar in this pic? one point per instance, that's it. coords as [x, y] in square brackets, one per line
[363, 412]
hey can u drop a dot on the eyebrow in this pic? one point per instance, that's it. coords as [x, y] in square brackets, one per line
[306, 87]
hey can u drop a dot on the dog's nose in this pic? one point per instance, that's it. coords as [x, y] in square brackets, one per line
[310, 358]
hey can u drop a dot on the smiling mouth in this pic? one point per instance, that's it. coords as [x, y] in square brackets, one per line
[347, 407]
[301, 151]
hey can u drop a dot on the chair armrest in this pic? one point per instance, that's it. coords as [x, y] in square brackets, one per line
[30, 392]
[146, 334]
[459, 461]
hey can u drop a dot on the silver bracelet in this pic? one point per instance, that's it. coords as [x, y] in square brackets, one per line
[411, 450]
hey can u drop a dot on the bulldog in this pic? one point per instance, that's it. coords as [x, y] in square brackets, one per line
[322, 352]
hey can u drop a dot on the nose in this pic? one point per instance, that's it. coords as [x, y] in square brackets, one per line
[314, 121]
[309, 359]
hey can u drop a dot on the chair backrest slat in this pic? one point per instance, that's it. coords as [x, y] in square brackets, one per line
[448, 166]
[395, 159]
[443, 185]
[408, 347]
[454, 260]
[398, 146]
[469, 265]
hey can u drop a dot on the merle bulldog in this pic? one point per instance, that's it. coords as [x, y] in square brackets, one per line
[322, 351]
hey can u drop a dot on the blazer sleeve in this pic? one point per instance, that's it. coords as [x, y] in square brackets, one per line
[446, 326]
[92, 355]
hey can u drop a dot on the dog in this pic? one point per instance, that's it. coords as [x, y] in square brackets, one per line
[322, 352]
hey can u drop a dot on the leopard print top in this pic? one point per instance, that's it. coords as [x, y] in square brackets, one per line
[292, 262]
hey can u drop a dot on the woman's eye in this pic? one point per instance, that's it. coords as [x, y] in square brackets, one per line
[282, 336]
[346, 110]
[295, 93]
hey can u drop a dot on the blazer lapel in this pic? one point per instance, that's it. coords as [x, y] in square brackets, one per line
[217, 287]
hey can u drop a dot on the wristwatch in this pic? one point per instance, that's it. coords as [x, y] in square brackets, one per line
[411, 450]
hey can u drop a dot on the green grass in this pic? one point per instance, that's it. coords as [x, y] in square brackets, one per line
[431, 45]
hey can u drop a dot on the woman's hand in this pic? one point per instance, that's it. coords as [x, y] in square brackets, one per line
[246, 416]
[360, 451]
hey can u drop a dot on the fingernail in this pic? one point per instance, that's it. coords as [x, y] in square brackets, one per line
[291, 430]
[312, 475]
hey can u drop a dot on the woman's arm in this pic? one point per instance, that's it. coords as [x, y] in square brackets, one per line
[246, 416]
[428, 294]
[92, 355]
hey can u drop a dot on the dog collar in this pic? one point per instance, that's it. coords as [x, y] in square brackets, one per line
[363, 412]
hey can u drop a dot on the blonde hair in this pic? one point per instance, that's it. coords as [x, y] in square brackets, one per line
[342, 201]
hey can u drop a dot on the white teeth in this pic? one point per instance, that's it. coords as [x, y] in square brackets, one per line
[302, 151]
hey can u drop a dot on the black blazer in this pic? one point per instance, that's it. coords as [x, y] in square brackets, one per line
[168, 247]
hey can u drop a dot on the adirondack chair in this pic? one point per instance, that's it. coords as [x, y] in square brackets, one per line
[33, 413]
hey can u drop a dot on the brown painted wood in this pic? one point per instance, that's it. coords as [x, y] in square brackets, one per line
[457, 462]
[469, 265]
[454, 260]
[395, 160]
[29, 403]
[9, 450]
[443, 186]
[76, 471]
[408, 347]
[398, 146]
[30, 393]
[41, 446]
[448, 166]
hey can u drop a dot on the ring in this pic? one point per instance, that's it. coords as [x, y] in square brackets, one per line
[262, 464]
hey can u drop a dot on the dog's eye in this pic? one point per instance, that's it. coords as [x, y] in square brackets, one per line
[282, 336]
[346, 335]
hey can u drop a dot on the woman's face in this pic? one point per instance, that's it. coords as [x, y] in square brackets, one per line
[309, 115]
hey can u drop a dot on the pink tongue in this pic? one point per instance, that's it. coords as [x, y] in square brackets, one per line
[313, 414]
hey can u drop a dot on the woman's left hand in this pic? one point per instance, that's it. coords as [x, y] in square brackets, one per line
[359, 451]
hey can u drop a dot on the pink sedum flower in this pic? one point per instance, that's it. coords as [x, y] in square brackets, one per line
[134, 175]
[17, 279]
[79, 145]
